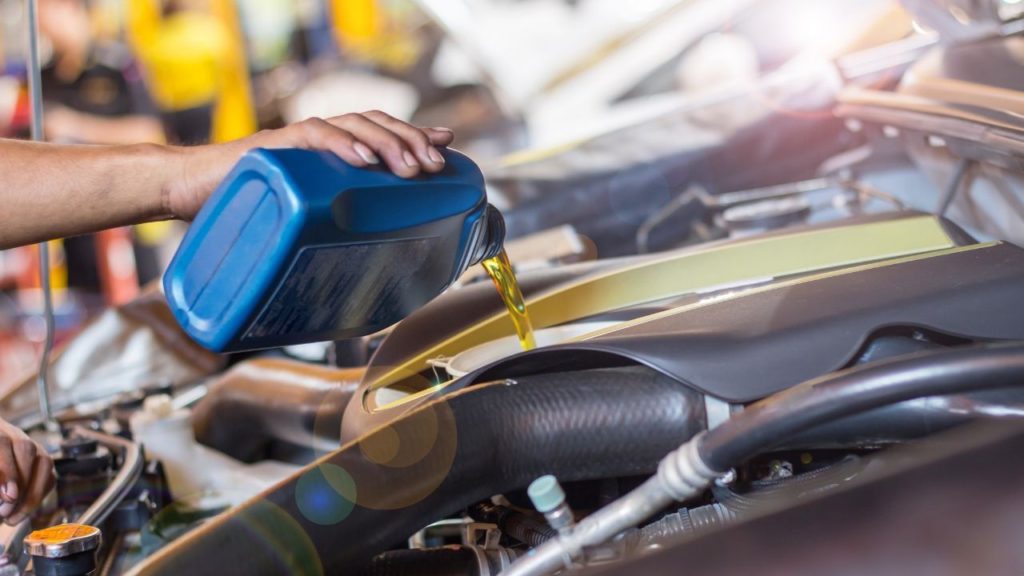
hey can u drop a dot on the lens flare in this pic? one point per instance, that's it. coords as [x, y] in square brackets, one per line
[325, 494]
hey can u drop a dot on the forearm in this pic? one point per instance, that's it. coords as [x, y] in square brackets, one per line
[51, 191]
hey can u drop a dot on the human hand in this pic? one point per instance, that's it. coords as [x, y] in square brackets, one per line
[26, 474]
[358, 139]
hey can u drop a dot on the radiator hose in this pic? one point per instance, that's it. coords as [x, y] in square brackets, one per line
[372, 493]
[687, 471]
[777, 418]
[265, 406]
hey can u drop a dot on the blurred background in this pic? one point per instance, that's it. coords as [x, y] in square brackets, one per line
[522, 82]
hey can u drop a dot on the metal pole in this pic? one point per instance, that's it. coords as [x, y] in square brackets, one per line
[35, 89]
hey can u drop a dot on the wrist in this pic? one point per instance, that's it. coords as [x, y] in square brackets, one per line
[174, 179]
[196, 172]
[154, 171]
[167, 168]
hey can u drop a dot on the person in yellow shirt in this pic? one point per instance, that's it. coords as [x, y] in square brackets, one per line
[185, 52]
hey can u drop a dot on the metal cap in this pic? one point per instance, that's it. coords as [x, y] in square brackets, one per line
[546, 493]
[63, 540]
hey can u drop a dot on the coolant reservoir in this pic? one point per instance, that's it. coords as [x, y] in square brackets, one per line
[297, 246]
[193, 469]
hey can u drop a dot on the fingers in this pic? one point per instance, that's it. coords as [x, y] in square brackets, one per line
[417, 140]
[440, 136]
[8, 498]
[382, 142]
[26, 474]
[25, 453]
[318, 134]
[9, 477]
[365, 139]
[370, 138]
[35, 489]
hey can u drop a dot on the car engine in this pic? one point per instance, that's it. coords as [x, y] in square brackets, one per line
[799, 329]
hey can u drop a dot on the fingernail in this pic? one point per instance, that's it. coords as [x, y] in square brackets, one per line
[434, 155]
[410, 160]
[443, 129]
[6, 508]
[365, 153]
[10, 491]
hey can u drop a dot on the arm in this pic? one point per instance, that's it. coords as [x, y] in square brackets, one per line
[51, 191]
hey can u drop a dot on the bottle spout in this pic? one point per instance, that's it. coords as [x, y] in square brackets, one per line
[493, 237]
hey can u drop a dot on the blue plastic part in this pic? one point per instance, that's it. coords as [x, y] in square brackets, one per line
[297, 246]
[546, 494]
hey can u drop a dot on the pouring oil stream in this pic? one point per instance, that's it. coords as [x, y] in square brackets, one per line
[499, 268]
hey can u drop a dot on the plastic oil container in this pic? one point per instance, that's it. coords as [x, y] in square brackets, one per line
[297, 246]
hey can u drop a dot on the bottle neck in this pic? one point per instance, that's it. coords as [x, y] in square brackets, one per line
[492, 238]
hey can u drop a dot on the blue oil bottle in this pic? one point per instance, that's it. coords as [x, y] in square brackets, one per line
[297, 246]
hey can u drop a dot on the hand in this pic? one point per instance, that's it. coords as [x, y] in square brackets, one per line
[26, 474]
[358, 139]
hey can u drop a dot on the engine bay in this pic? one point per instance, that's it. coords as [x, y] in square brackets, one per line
[788, 338]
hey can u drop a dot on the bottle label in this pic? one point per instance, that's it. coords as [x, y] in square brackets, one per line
[364, 287]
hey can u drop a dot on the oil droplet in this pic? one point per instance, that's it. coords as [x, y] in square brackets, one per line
[500, 270]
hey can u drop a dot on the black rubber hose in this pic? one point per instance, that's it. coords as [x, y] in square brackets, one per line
[266, 403]
[531, 530]
[439, 459]
[774, 420]
[905, 421]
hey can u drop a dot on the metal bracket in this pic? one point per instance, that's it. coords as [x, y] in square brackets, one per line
[491, 535]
